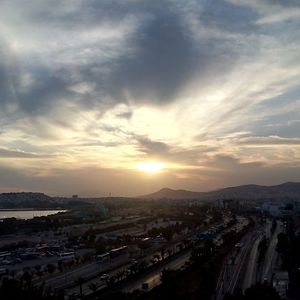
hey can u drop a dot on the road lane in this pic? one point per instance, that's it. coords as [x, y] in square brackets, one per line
[250, 277]
[153, 279]
[270, 256]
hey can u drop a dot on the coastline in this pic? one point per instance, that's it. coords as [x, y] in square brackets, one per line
[31, 209]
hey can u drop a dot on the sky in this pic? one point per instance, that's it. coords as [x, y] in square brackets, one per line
[124, 97]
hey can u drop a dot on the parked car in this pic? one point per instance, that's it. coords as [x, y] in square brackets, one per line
[104, 276]
[15, 261]
[3, 271]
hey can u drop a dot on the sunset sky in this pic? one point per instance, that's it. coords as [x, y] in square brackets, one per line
[127, 97]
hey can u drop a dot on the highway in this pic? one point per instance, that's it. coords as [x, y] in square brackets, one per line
[75, 290]
[254, 272]
[153, 278]
[270, 257]
[250, 275]
[233, 268]
[91, 272]
[93, 269]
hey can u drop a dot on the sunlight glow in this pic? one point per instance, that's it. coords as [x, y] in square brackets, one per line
[151, 167]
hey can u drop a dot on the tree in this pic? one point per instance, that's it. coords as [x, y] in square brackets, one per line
[143, 245]
[27, 277]
[274, 225]
[38, 268]
[50, 268]
[93, 286]
[169, 251]
[261, 292]
[142, 265]
[60, 266]
[111, 280]
[258, 291]
[262, 248]
[156, 257]
[80, 281]
[133, 268]
[169, 290]
[282, 244]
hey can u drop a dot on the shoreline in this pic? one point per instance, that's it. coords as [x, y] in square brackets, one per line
[31, 209]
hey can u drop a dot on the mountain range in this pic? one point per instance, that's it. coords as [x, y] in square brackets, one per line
[285, 191]
[288, 190]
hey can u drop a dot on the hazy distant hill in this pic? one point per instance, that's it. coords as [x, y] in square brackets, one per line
[27, 200]
[289, 190]
[167, 193]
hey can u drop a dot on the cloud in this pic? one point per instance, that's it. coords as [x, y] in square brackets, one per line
[272, 11]
[106, 84]
[291, 14]
[6, 153]
[152, 147]
[114, 53]
[173, 154]
[96, 181]
[269, 140]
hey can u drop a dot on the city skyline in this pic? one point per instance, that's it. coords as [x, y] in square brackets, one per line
[131, 96]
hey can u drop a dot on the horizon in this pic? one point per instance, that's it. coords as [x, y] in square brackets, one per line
[125, 97]
[153, 192]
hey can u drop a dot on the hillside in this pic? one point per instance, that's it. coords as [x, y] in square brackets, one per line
[167, 193]
[26, 200]
[289, 190]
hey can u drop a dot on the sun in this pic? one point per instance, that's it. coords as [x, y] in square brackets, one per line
[151, 166]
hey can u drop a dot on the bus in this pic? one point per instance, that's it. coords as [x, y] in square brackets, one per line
[4, 255]
[67, 256]
[118, 251]
[101, 258]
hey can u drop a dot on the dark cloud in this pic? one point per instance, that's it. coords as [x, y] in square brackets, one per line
[96, 144]
[150, 147]
[154, 64]
[10, 177]
[222, 13]
[91, 181]
[173, 154]
[47, 92]
[165, 58]
[63, 65]
[101, 181]
[125, 115]
[268, 140]
[20, 154]
[227, 163]
[9, 75]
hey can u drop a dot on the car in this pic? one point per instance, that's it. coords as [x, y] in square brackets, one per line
[239, 245]
[3, 271]
[16, 261]
[104, 276]
[145, 286]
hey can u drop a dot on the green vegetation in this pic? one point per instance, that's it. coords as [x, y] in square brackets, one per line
[81, 214]
[196, 281]
[257, 292]
[12, 289]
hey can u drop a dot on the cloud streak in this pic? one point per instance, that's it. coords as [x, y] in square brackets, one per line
[103, 85]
